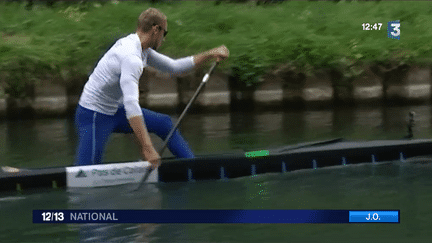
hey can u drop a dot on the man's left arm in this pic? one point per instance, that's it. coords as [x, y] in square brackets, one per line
[219, 53]
[183, 65]
[168, 65]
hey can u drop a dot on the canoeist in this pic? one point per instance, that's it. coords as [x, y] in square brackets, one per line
[110, 99]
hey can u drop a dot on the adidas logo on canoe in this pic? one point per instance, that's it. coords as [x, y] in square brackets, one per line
[81, 174]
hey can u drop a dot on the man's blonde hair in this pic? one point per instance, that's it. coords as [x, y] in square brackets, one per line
[150, 17]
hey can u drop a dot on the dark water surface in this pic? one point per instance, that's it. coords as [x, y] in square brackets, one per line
[393, 185]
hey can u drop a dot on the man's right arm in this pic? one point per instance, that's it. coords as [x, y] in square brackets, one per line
[131, 70]
[147, 150]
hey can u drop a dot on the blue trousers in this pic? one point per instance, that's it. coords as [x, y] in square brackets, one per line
[94, 129]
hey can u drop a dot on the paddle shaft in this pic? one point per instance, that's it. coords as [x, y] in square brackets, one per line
[205, 79]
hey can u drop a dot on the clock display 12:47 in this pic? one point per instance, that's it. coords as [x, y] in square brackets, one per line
[376, 26]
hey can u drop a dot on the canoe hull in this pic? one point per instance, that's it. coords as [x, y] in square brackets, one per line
[311, 156]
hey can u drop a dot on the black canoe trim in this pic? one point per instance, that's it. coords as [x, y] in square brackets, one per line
[302, 156]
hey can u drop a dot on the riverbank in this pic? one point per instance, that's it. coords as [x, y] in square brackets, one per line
[326, 58]
[305, 34]
[164, 93]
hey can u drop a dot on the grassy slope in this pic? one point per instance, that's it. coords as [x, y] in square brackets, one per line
[72, 39]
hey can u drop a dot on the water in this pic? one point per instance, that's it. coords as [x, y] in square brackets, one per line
[396, 185]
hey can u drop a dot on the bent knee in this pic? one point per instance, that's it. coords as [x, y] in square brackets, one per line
[166, 122]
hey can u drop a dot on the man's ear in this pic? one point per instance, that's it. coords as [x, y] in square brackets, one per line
[155, 29]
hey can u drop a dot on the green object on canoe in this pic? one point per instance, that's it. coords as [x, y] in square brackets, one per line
[258, 153]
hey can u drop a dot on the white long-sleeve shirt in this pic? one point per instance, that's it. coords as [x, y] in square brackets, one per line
[115, 79]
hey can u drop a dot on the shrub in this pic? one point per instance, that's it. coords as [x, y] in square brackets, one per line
[248, 69]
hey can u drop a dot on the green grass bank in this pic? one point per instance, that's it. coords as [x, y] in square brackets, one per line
[64, 42]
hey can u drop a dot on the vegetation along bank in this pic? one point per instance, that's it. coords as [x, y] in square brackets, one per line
[293, 54]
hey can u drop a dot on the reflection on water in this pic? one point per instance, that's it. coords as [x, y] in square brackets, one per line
[122, 198]
[3, 139]
[216, 126]
[41, 143]
[405, 186]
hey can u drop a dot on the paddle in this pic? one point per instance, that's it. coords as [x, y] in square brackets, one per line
[205, 79]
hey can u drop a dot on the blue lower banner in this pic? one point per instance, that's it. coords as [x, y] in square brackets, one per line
[217, 216]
